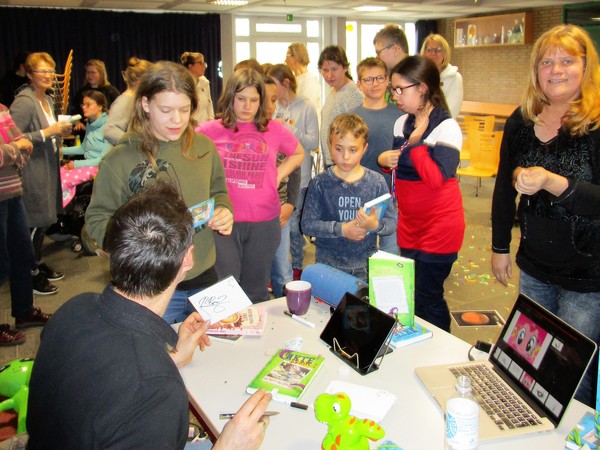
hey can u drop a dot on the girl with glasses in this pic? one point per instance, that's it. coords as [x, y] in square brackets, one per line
[93, 147]
[431, 221]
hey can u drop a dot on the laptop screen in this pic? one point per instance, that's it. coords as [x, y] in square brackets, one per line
[543, 355]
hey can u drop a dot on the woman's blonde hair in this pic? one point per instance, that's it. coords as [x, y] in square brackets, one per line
[281, 72]
[163, 76]
[101, 68]
[135, 70]
[240, 80]
[299, 51]
[34, 59]
[584, 114]
[443, 42]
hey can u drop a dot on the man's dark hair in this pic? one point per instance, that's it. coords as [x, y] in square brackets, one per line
[147, 239]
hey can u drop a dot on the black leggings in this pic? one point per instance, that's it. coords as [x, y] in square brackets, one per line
[37, 239]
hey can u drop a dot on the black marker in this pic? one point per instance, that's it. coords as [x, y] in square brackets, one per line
[299, 405]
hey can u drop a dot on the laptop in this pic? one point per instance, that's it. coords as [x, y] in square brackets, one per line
[537, 362]
[359, 333]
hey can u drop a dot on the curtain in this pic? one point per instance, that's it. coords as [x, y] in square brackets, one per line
[110, 36]
[424, 28]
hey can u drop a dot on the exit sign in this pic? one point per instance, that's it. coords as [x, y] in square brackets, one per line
[289, 17]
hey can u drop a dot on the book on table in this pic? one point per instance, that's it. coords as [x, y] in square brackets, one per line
[248, 322]
[406, 335]
[287, 375]
[586, 433]
[392, 285]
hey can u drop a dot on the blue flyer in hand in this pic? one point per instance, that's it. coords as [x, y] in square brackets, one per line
[202, 213]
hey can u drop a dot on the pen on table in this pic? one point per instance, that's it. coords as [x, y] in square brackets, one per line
[299, 319]
[230, 415]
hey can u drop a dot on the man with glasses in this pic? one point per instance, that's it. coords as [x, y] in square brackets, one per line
[196, 65]
[391, 45]
[380, 117]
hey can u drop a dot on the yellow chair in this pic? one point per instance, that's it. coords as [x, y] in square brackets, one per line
[482, 123]
[485, 156]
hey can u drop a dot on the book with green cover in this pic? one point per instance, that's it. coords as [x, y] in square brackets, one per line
[392, 285]
[287, 375]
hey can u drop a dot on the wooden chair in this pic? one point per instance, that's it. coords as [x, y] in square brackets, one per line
[482, 123]
[62, 83]
[485, 156]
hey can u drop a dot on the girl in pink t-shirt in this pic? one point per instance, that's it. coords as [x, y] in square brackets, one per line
[248, 143]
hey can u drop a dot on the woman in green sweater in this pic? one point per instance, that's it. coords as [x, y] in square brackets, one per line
[161, 142]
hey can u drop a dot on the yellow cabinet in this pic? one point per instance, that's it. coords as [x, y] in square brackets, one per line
[503, 29]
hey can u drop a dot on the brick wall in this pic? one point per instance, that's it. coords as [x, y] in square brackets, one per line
[497, 74]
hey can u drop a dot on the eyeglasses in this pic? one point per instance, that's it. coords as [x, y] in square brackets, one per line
[201, 62]
[45, 72]
[87, 104]
[400, 89]
[370, 80]
[434, 50]
[382, 49]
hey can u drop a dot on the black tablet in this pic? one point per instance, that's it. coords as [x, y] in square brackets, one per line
[358, 333]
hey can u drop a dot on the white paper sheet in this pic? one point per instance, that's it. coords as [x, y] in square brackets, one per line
[220, 300]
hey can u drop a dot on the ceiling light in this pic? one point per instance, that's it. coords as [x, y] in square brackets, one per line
[371, 8]
[228, 2]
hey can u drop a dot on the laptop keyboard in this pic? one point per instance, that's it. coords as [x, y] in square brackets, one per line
[501, 404]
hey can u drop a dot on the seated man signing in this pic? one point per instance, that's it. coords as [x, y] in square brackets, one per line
[105, 375]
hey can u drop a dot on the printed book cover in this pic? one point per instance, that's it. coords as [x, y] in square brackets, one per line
[407, 335]
[586, 434]
[392, 285]
[202, 213]
[248, 322]
[380, 204]
[287, 375]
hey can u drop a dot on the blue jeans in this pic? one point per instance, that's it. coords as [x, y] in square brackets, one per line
[579, 309]
[296, 237]
[16, 255]
[389, 244]
[281, 268]
[179, 306]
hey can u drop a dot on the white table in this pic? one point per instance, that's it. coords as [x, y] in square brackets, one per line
[216, 380]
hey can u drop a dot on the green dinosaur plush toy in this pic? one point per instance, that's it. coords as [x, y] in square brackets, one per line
[344, 432]
[14, 384]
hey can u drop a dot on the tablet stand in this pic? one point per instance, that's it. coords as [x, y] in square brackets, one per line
[337, 350]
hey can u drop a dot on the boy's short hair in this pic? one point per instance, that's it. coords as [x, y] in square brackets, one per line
[349, 123]
[369, 63]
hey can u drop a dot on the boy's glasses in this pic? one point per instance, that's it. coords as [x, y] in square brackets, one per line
[45, 72]
[370, 80]
[399, 89]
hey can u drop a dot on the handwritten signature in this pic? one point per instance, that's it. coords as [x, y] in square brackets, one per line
[215, 302]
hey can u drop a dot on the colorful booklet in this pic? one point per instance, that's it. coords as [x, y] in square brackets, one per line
[586, 434]
[407, 335]
[287, 375]
[202, 213]
[392, 285]
[380, 204]
[248, 322]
